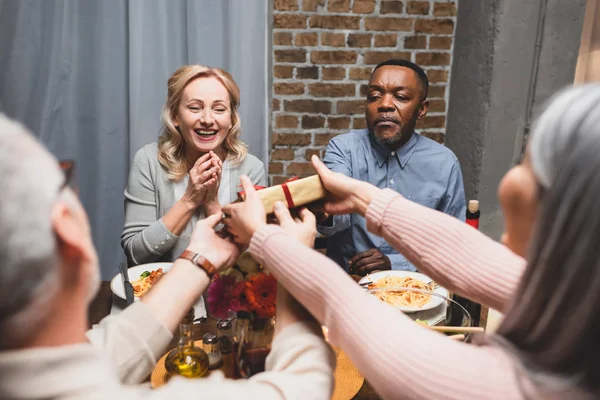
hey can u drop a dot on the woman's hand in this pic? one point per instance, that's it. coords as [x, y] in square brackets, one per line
[245, 218]
[212, 192]
[203, 180]
[304, 228]
[346, 195]
[221, 252]
[211, 200]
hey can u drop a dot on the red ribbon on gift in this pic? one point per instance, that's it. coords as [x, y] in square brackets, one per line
[256, 187]
[286, 192]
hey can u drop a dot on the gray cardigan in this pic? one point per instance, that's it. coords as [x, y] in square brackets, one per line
[150, 195]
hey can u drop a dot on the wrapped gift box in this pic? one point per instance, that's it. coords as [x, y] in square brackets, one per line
[293, 193]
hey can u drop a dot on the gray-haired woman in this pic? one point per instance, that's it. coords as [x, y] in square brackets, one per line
[546, 279]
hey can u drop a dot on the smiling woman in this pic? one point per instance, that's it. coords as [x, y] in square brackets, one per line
[192, 170]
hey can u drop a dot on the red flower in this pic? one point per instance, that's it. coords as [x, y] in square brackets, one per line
[261, 292]
[219, 295]
[239, 302]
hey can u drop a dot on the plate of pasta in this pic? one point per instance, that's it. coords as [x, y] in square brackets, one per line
[142, 278]
[405, 300]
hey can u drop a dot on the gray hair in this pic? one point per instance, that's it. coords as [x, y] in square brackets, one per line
[30, 185]
[571, 116]
[552, 325]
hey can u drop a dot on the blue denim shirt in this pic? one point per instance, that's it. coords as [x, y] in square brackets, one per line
[422, 170]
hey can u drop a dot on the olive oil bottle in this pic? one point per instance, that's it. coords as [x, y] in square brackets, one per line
[186, 359]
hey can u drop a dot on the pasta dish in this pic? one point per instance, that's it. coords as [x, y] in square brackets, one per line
[146, 281]
[399, 297]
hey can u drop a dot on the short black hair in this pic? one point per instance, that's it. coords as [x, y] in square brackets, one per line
[407, 64]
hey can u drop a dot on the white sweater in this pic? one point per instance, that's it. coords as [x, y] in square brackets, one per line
[123, 349]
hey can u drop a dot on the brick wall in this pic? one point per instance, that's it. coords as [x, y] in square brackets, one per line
[323, 54]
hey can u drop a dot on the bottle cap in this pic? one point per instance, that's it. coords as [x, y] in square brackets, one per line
[210, 338]
[224, 325]
[473, 206]
[244, 315]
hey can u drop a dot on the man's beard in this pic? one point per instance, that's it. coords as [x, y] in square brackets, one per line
[404, 131]
[388, 141]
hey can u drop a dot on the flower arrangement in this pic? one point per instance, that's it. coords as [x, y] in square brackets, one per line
[244, 287]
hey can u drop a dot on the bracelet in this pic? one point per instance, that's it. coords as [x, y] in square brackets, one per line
[200, 261]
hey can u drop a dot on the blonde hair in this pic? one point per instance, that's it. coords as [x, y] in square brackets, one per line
[170, 141]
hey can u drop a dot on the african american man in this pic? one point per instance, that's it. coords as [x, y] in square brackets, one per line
[389, 154]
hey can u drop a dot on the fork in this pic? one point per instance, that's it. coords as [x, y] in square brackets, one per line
[433, 287]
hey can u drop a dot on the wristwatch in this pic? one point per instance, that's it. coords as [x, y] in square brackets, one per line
[200, 261]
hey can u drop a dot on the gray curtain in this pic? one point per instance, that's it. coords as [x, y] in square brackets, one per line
[88, 77]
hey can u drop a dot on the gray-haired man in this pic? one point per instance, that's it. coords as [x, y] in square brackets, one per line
[49, 274]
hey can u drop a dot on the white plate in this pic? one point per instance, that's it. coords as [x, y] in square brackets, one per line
[435, 300]
[116, 284]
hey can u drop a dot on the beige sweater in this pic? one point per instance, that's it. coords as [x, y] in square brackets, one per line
[123, 350]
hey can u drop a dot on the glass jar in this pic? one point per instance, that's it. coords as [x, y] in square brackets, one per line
[254, 337]
[225, 334]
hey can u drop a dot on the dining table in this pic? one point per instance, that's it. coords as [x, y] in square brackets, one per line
[102, 304]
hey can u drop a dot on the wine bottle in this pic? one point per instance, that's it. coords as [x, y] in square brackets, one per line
[473, 214]
[474, 309]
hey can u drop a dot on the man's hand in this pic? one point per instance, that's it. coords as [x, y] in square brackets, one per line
[369, 261]
[245, 218]
[221, 252]
[178, 290]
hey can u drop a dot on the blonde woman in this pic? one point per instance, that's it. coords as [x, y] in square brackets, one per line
[192, 170]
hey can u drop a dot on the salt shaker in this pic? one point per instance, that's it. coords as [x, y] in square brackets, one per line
[226, 346]
[210, 343]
